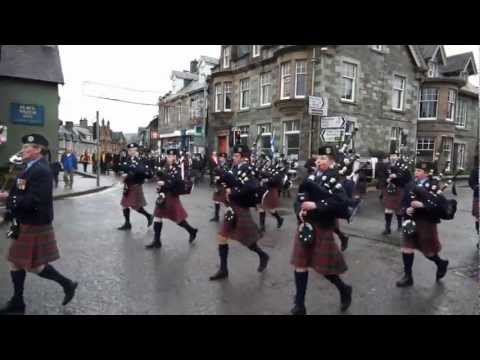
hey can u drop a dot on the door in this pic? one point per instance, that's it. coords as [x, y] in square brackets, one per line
[222, 144]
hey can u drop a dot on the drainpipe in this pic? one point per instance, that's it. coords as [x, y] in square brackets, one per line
[314, 60]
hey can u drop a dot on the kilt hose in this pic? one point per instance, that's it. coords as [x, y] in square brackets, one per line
[220, 196]
[475, 208]
[134, 198]
[271, 199]
[393, 201]
[245, 231]
[172, 209]
[323, 255]
[35, 246]
[426, 239]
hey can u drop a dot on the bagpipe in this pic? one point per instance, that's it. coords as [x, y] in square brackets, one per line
[399, 174]
[181, 186]
[431, 194]
[15, 161]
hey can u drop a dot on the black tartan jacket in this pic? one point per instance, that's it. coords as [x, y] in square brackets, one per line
[32, 203]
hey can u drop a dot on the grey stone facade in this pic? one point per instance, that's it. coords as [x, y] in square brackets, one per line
[371, 112]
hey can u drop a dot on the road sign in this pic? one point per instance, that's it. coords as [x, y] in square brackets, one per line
[332, 122]
[332, 135]
[318, 105]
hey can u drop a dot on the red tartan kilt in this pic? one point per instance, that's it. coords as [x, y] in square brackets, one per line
[134, 198]
[426, 239]
[323, 256]
[393, 201]
[246, 231]
[220, 196]
[271, 199]
[34, 247]
[173, 209]
[475, 208]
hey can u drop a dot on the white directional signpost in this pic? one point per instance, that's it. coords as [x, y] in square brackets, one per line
[332, 122]
[318, 105]
[331, 135]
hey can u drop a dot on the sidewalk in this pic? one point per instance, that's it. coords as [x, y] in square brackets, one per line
[83, 183]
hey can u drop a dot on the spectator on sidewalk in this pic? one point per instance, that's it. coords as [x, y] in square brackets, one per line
[69, 163]
[56, 167]
[94, 163]
[85, 160]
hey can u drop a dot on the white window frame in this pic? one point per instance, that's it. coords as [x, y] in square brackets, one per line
[266, 133]
[179, 109]
[451, 104]
[353, 79]
[378, 48]
[420, 104]
[304, 73]
[245, 96]
[264, 85]
[448, 147]
[167, 115]
[255, 50]
[284, 75]
[291, 132]
[227, 52]
[461, 114]
[460, 165]
[426, 140]
[401, 90]
[225, 96]
[432, 69]
[218, 95]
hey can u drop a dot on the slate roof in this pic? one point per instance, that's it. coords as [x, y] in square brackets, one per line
[427, 50]
[457, 63]
[185, 75]
[33, 62]
[118, 136]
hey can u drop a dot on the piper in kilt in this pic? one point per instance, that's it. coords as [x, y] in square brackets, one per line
[242, 193]
[321, 201]
[473, 182]
[219, 195]
[394, 192]
[168, 205]
[425, 215]
[30, 204]
[272, 181]
[135, 172]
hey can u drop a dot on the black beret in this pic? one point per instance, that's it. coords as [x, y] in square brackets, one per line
[132, 145]
[326, 150]
[36, 139]
[172, 152]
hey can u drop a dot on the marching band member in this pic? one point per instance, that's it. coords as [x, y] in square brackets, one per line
[168, 205]
[242, 193]
[135, 172]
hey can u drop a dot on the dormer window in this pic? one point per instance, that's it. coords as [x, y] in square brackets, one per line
[227, 56]
[255, 50]
[377, 47]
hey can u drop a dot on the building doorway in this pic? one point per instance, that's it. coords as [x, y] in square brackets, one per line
[222, 144]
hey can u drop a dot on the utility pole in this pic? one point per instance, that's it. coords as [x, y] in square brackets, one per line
[98, 150]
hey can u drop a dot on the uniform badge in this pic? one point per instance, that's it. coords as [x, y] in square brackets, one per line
[21, 184]
[30, 138]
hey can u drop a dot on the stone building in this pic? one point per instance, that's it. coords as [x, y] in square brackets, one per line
[182, 115]
[448, 117]
[260, 94]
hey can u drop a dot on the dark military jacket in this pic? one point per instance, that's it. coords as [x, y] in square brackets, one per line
[31, 197]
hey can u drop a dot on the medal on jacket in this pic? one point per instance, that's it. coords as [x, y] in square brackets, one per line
[21, 184]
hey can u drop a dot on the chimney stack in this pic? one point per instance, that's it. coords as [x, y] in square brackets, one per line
[194, 67]
[69, 125]
[84, 123]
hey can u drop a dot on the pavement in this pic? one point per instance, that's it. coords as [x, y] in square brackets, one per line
[118, 276]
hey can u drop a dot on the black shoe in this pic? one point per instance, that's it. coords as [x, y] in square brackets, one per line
[214, 219]
[70, 293]
[344, 242]
[125, 227]
[262, 229]
[154, 245]
[298, 310]
[13, 307]
[346, 298]
[193, 235]
[263, 263]
[150, 220]
[221, 274]
[279, 223]
[442, 270]
[386, 232]
[405, 281]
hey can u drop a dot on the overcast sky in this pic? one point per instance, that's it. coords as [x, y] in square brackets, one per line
[139, 67]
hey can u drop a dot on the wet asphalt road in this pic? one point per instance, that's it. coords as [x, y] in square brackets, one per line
[118, 276]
